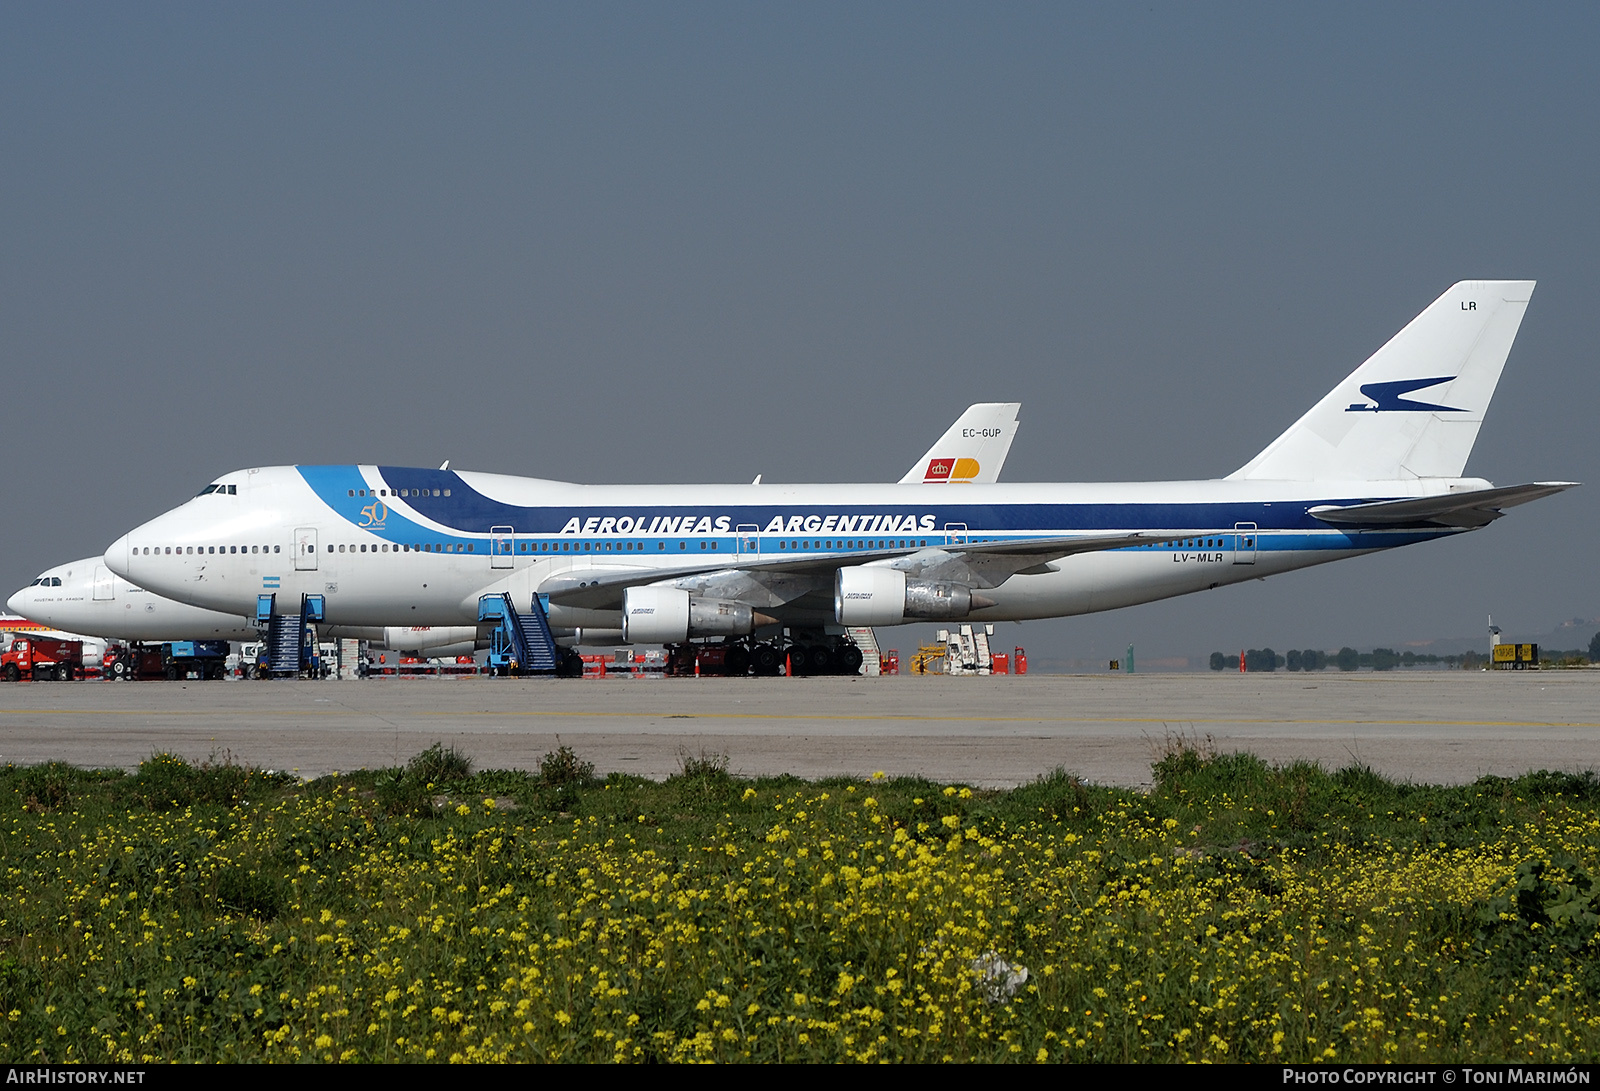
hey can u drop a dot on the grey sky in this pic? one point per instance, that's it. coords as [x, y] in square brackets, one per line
[694, 242]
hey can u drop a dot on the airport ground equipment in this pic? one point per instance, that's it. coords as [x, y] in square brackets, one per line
[42, 659]
[289, 646]
[871, 656]
[967, 649]
[206, 659]
[929, 659]
[520, 642]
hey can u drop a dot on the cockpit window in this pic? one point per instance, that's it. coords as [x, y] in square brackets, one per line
[206, 490]
[55, 581]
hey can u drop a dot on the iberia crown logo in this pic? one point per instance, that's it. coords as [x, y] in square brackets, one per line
[951, 469]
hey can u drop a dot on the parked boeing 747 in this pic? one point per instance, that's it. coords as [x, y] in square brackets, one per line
[1375, 464]
[84, 596]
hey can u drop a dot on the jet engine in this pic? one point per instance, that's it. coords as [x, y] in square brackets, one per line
[425, 638]
[667, 615]
[885, 596]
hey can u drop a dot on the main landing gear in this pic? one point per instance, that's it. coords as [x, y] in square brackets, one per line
[818, 655]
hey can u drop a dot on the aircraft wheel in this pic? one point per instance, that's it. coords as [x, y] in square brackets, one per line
[766, 661]
[798, 656]
[737, 661]
[819, 659]
[850, 659]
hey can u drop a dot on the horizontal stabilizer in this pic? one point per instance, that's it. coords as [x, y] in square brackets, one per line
[1462, 509]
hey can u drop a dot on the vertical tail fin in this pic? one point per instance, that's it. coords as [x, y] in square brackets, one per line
[1414, 408]
[974, 448]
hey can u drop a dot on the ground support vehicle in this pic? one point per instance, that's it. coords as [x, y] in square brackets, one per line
[289, 646]
[42, 659]
[520, 641]
[205, 659]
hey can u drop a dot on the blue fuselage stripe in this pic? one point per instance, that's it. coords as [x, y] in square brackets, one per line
[463, 515]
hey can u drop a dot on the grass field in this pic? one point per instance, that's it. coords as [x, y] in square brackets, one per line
[1237, 912]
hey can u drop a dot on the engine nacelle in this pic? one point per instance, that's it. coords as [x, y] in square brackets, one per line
[884, 596]
[667, 615]
[422, 637]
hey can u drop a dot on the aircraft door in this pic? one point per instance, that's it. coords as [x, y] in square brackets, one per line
[1245, 537]
[955, 533]
[305, 549]
[105, 585]
[502, 544]
[747, 541]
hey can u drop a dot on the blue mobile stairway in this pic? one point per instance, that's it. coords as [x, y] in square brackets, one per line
[289, 647]
[520, 643]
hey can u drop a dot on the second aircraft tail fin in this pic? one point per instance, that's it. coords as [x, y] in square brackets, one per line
[972, 450]
[1414, 408]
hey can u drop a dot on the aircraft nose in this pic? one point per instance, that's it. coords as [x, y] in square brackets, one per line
[14, 604]
[117, 556]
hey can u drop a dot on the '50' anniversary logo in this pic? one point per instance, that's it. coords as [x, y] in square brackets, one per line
[374, 514]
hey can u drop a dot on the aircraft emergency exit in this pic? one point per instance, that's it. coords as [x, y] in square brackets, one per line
[1374, 465]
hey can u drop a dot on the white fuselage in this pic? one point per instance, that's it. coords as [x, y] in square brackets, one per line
[384, 545]
[85, 596]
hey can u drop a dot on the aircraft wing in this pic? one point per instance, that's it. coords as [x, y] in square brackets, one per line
[1462, 509]
[766, 582]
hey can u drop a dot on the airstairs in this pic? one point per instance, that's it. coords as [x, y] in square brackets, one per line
[519, 643]
[289, 641]
[966, 651]
[867, 641]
